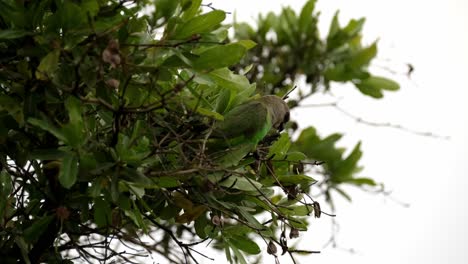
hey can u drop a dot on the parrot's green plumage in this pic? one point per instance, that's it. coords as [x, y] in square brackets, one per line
[247, 124]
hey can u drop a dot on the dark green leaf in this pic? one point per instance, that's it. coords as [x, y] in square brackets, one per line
[191, 8]
[306, 16]
[239, 256]
[381, 83]
[343, 193]
[241, 183]
[245, 244]
[250, 218]
[280, 147]
[298, 223]
[296, 156]
[34, 231]
[5, 190]
[200, 24]
[363, 56]
[48, 65]
[47, 154]
[296, 179]
[102, 212]
[362, 181]
[68, 170]
[220, 56]
[301, 210]
[226, 79]
[345, 168]
[13, 33]
[48, 127]
[370, 90]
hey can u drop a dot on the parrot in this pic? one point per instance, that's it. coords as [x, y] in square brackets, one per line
[247, 124]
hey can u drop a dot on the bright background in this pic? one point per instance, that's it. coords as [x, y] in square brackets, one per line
[427, 173]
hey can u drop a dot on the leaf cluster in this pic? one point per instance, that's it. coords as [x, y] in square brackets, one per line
[106, 113]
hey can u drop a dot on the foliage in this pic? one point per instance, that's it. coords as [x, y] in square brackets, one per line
[107, 109]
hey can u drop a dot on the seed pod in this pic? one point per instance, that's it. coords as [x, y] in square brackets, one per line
[271, 248]
[317, 211]
[294, 233]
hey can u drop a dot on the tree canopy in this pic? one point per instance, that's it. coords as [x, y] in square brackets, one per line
[108, 111]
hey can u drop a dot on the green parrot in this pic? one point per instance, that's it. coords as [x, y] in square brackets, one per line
[247, 124]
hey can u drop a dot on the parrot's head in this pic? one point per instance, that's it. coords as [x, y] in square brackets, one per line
[279, 110]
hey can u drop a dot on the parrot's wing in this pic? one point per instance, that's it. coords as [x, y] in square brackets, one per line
[251, 120]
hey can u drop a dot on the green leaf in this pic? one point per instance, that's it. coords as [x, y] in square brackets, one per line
[5, 191]
[48, 65]
[280, 147]
[226, 79]
[200, 24]
[223, 100]
[343, 193]
[200, 224]
[220, 56]
[73, 106]
[370, 90]
[166, 182]
[13, 107]
[345, 168]
[381, 83]
[296, 179]
[246, 43]
[306, 16]
[209, 113]
[48, 127]
[250, 218]
[245, 244]
[139, 217]
[374, 85]
[363, 56]
[165, 8]
[91, 7]
[23, 246]
[301, 210]
[102, 212]
[334, 26]
[295, 156]
[13, 33]
[72, 15]
[191, 8]
[362, 181]
[241, 183]
[69, 170]
[354, 27]
[239, 256]
[34, 231]
[46, 154]
[298, 223]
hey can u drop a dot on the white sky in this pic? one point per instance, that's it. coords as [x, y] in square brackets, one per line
[430, 174]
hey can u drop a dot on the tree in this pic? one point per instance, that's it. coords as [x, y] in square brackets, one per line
[108, 111]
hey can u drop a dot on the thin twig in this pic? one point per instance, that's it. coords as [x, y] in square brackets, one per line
[376, 124]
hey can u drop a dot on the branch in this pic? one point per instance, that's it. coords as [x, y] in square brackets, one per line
[377, 124]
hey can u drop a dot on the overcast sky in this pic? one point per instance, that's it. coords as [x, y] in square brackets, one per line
[429, 174]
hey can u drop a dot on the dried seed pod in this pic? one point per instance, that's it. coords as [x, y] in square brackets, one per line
[317, 211]
[292, 191]
[216, 220]
[62, 213]
[114, 83]
[294, 233]
[111, 54]
[272, 248]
